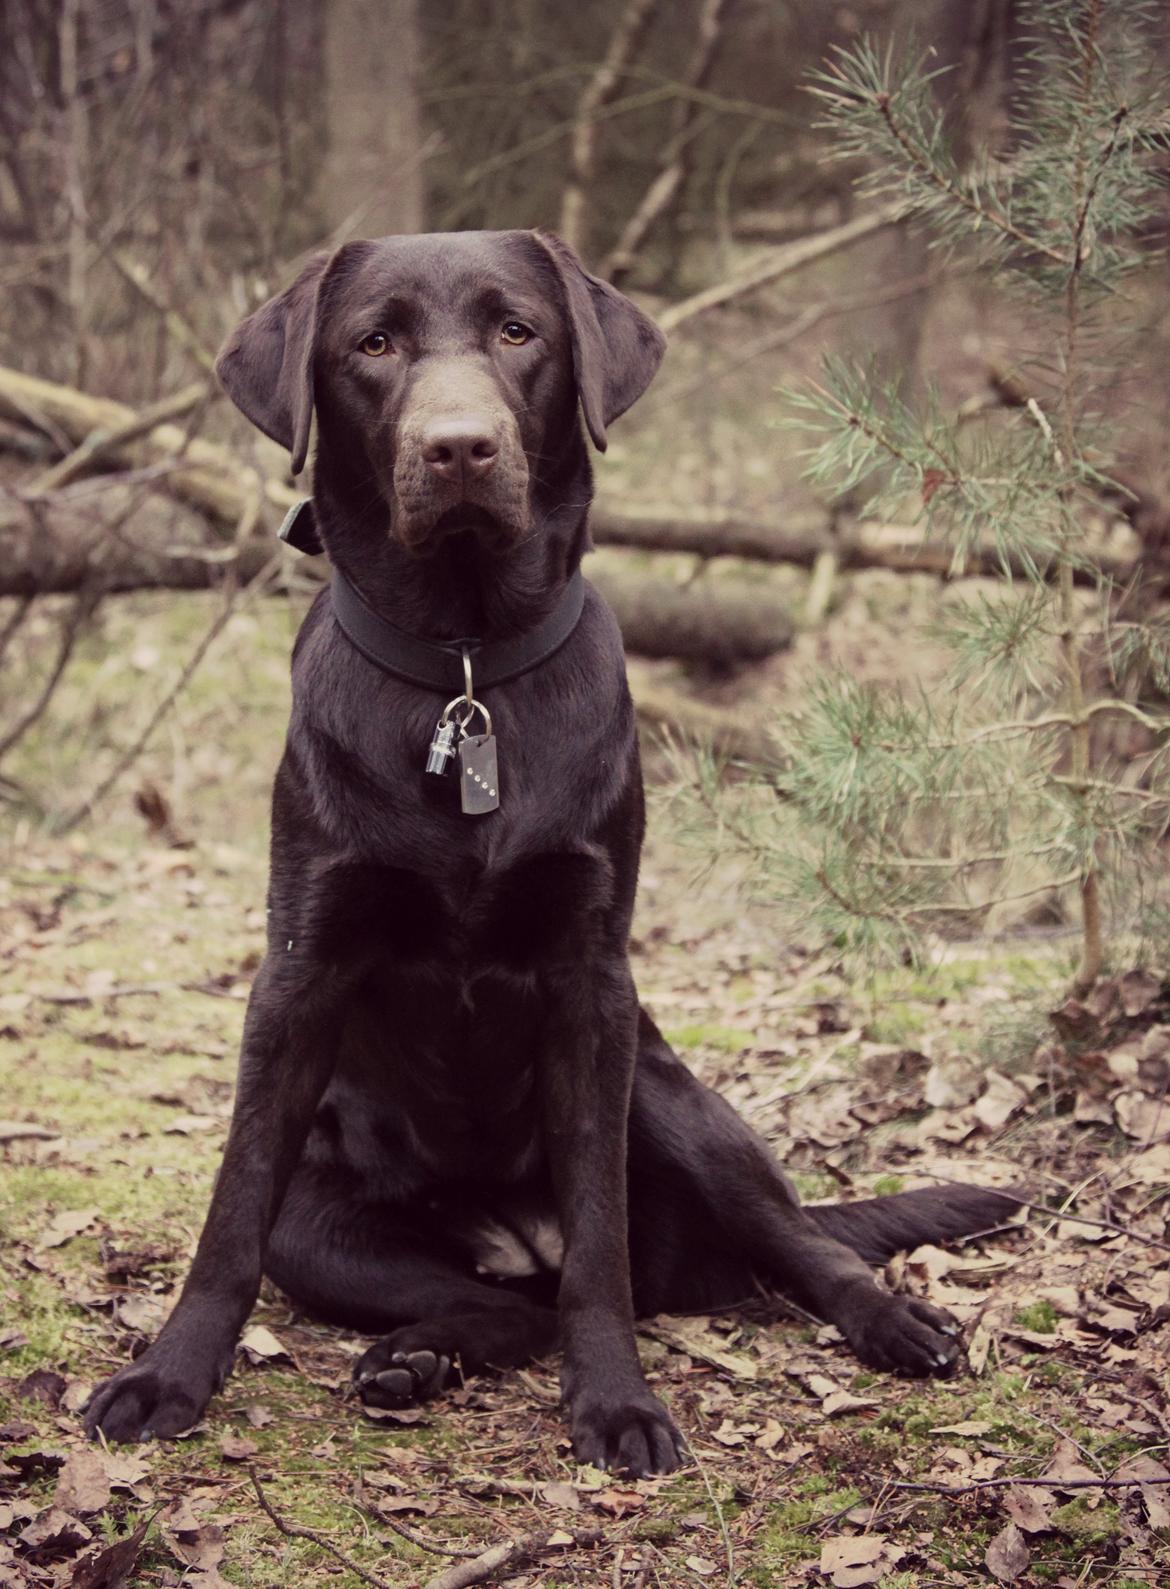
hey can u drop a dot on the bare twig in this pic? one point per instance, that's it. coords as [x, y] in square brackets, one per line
[500, 1560]
[80, 611]
[14, 622]
[100, 442]
[131, 755]
[779, 262]
[728, 1552]
[413, 1537]
[601, 90]
[674, 167]
[1011, 1484]
[180, 328]
[297, 1531]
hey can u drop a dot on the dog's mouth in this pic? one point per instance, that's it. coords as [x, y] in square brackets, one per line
[497, 513]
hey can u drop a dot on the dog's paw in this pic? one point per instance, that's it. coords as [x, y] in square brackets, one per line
[156, 1397]
[395, 1372]
[632, 1434]
[904, 1335]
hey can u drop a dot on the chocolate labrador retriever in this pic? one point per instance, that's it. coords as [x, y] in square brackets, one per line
[454, 1123]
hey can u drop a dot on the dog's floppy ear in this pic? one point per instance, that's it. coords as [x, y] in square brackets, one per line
[266, 365]
[616, 348]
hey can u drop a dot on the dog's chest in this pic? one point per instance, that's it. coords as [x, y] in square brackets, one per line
[456, 919]
[446, 1037]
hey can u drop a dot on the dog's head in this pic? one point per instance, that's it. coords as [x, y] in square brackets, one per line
[445, 369]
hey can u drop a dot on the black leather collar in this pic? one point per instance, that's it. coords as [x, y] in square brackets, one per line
[435, 665]
[438, 665]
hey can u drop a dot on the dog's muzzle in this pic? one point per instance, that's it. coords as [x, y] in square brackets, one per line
[459, 448]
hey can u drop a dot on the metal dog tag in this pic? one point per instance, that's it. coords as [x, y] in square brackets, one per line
[479, 780]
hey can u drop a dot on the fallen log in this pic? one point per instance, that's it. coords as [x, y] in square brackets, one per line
[703, 622]
[800, 539]
[202, 473]
[219, 484]
[116, 539]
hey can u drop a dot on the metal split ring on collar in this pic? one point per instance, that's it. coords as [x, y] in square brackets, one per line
[470, 706]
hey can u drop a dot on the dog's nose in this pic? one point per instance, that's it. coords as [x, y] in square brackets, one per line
[458, 448]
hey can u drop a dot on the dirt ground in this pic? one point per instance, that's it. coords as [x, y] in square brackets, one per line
[125, 955]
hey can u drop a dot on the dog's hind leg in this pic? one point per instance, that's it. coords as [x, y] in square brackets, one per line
[711, 1210]
[370, 1267]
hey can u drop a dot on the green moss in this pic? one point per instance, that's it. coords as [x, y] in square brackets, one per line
[1039, 1316]
[1089, 1526]
[897, 1023]
[887, 1185]
[727, 1039]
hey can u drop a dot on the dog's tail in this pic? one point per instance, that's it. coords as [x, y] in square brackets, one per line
[878, 1227]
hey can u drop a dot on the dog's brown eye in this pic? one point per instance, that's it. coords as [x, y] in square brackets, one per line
[376, 344]
[515, 332]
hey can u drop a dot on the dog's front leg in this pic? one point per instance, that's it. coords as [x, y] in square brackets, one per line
[290, 1038]
[614, 1419]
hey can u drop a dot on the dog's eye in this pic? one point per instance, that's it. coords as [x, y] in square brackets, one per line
[376, 344]
[515, 332]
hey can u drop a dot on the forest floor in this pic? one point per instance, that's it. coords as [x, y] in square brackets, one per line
[125, 959]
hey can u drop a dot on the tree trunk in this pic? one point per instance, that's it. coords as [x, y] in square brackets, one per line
[371, 178]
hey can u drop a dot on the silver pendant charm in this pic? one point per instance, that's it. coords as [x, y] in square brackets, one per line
[479, 778]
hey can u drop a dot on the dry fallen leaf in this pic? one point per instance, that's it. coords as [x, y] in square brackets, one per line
[562, 1495]
[1142, 1117]
[83, 1485]
[1001, 1098]
[261, 1346]
[237, 1448]
[702, 1565]
[114, 1565]
[1028, 1508]
[618, 1502]
[850, 1561]
[64, 1226]
[1008, 1555]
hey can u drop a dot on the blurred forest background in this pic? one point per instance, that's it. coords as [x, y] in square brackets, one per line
[164, 165]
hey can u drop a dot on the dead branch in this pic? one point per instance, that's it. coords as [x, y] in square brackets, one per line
[99, 444]
[778, 262]
[81, 610]
[183, 332]
[501, 1560]
[213, 480]
[799, 539]
[1011, 1484]
[207, 476]
[674, 166]
[297, 1531]
[127, 759]
[601, 89]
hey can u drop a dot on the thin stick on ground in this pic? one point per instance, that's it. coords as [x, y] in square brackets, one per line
[1025, 1484]
[414, 1538]
[728, 1552]
[296, 1531]
[501, 1560]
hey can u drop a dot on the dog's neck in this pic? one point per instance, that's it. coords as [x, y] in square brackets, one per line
[463, 586]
